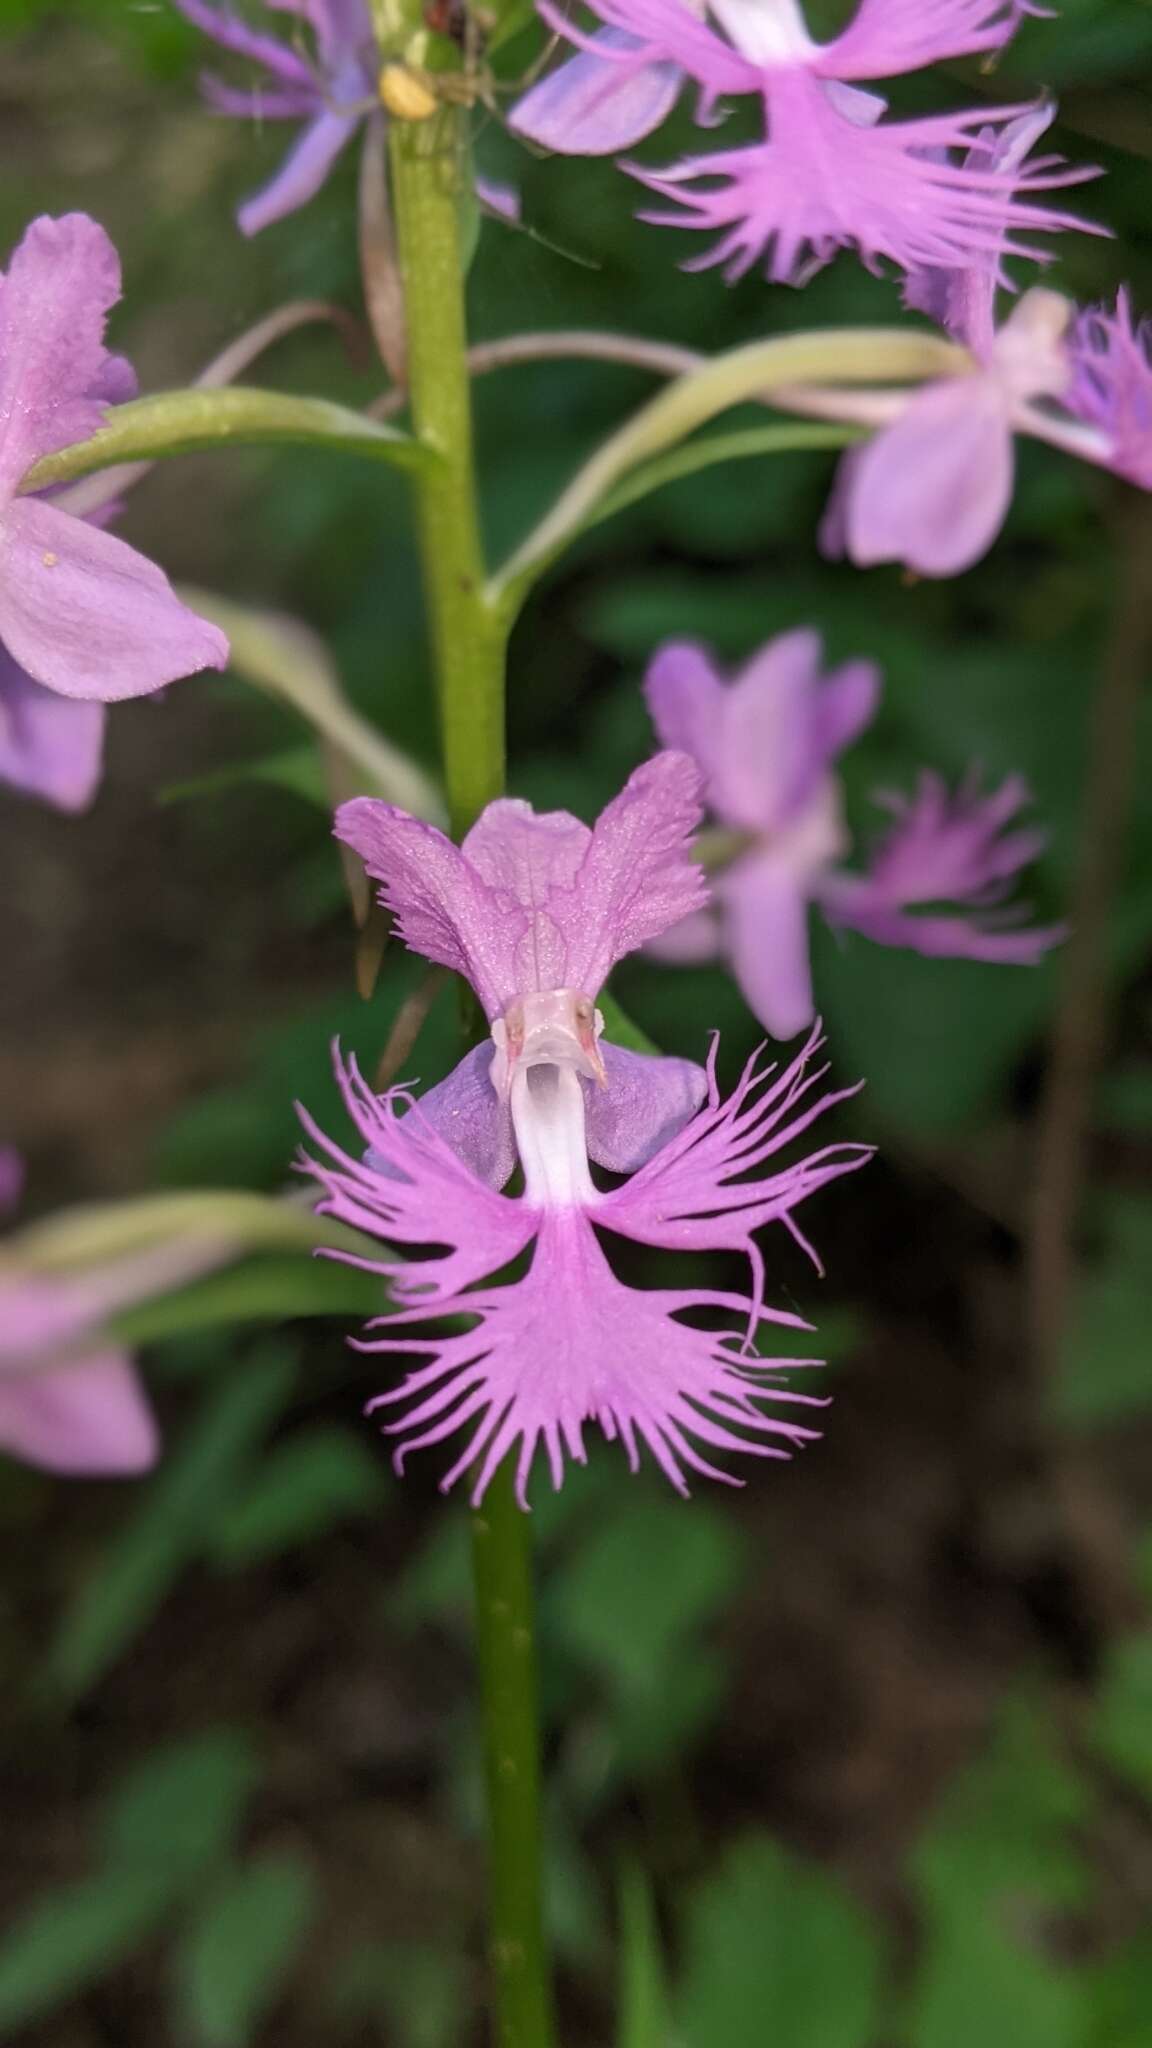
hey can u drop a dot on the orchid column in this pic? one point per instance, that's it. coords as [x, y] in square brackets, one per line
[430, 191]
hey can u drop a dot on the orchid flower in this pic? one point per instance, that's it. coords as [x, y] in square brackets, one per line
[70, 1399]
[84, 619]
[330, 91]
[767, 743]
[830, 172]
[534, 910]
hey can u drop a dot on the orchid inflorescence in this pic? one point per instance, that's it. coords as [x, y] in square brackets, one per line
[519, 1178]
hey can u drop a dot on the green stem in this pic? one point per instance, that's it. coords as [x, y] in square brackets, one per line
[468, 635]
[469, 640]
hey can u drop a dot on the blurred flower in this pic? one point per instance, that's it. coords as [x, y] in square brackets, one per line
[84, 619]
[766, 743]
[70, 1400]
[1111, 389]
[534, 911]
[330, 91]
[831, 172]
[932, 487]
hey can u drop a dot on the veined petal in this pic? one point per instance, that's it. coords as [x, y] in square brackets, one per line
[659, 32]
[86, 615]
[592, 106]
[302, 173]
[50, 746]
[63, 278]
[933, 489]
[466, 1111]
[535, 901]
[87, 1417]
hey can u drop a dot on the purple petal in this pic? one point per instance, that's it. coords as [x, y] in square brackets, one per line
[523, 1377]
[227, 30]
[644, 1103]
[50, 746]
[87, 1417]
[769, 765]
[443, 908]
[685, 697]
[301, 174]
[824, 181]
[765, 906]
[888, 37]
[590, 107]
[846, 705]
[88, 616]
[1111, 385]
[466, 1112]
[537, 901]
[500, 200]
[638, 877]
[260, 102]
[63, 277]
[932, 490]
[937, 938]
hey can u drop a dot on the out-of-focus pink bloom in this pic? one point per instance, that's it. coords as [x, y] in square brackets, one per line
[831, 172]
[70, 1400]
[84, 619]
[330, 91]
[932, 486]
[535, 910]
[766, 743]
[1111, 389]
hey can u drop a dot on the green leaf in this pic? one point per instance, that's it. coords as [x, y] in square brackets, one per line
[979, 1982]
[172, 1526]
[259, 1290]
[775, 1951]
[237, 416]
[296, 769]
[238, 1953]
[642, 1582]
[642, 2018]
[178, 1812]
[1121, 1726]
[619, 1028]
[422, 1989]
[302, 1489]
[1106, 1363]
[73, 1938]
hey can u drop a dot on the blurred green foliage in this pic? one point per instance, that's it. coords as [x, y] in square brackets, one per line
[998, 1936]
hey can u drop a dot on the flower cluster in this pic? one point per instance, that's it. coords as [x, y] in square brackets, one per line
[534, 910]
[766, 744]
[831, 170]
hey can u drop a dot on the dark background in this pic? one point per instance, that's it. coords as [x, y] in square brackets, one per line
[879, 1729]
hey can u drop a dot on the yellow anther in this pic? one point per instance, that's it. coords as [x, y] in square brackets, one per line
[404, 96]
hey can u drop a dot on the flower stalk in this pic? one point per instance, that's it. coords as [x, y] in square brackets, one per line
[469, 642]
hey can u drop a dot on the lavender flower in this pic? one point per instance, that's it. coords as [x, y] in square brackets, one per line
[84, 619]
[1111, 389]
[70, 1400]
[831, 172]
[330, 91]
[933, 486]
[766, 744]
[535, 910]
